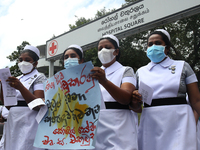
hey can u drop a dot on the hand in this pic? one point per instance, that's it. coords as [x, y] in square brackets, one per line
[14, 82]
[1, 119]
[136, 100]
[99, 74]
[136, 96]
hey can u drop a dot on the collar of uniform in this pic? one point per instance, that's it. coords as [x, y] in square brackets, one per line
[116, 65]
[166, 63]
[33, 74]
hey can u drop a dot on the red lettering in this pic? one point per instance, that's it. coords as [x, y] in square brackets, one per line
[49, 85]
[82, 76]
[65, 86]
[87, 129]
[61, 142]
[84, 140]
[56, 76]
[73, 82]
[61, 76]
[92, 135]
[47, 141]
[62, 131]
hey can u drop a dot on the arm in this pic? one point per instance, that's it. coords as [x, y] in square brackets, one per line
[196, 116]
[27, 95]
[194, 96]
[121, 94]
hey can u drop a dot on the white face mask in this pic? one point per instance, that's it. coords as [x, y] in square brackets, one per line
[106, 55]
[25, 67]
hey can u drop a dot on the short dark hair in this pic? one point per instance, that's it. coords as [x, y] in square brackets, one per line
[164, 38]
[114, 43]
[30, 53]
[76, 50]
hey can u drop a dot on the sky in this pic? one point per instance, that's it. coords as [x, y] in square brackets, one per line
[36, 21]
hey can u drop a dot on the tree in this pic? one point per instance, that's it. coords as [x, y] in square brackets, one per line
[133, 51]
[91, 54]
[185, 39]
[79, 22]
[102, 12]
[14, 70]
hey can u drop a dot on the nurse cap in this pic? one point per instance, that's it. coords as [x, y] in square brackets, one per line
[112, 37]
[32, 48]
[164, 32]
[76, 46]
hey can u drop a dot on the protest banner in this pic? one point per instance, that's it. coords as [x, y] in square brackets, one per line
[73, 99]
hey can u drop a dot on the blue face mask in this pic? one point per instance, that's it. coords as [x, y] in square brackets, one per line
[156, 53]
[70, 62]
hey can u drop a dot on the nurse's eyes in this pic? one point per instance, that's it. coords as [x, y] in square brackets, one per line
[27, 60]
[71, 56]
[107, 47]
[154, 43]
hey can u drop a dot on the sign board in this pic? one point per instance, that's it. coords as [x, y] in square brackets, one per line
[134, 18]
[73, 99]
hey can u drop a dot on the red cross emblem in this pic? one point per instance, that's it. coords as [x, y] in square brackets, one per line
[53, 48]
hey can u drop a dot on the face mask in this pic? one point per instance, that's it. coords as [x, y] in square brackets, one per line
[106, 55]
[70, 62]
[25, 67]
[156, 53]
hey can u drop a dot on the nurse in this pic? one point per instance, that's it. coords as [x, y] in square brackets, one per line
[116, 129]
[21, 124]
[73, 56]
[168, 123]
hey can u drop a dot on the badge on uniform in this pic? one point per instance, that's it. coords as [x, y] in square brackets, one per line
[32, 79]
[173, 68]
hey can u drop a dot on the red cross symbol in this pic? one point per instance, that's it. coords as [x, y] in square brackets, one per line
[53, 47]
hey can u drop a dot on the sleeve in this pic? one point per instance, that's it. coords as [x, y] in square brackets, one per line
[190, 76]
[5, 112]
[38, 83]
[129, 76]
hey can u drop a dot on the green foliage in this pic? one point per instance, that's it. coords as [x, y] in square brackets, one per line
[81, 21]
[91, 55]
[102, 13]
[133, 51]
[14, 70]
[185, 39]
[129, 2]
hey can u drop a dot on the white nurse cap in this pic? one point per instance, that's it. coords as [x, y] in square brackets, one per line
[32, 48]
[164, 32]
[112, 37]
[76, 46]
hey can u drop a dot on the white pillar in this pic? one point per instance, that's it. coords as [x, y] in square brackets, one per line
[51, 68]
